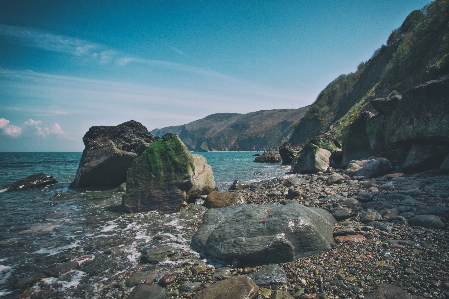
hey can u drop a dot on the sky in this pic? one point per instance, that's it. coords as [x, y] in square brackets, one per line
[68, 65]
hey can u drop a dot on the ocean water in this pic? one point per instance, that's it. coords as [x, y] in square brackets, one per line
[38, 235]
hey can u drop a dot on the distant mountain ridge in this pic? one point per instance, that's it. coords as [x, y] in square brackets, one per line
[255, 131]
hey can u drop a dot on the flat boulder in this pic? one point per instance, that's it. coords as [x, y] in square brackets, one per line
[33, 181]
[109, 152]
[369, 168]
[165, 176]
[263, 234]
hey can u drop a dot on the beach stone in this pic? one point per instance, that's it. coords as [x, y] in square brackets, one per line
[365, 196]
[223, 199]
[371, 215]
[341, 213]
[32, 181]
[368, 169]
[239, 287]
[350, 238]
[159, 255]
[268, 275]
[237, 185]
[436, 210]
[108, 153]
[222, 273]
[167, 279]
[388, 291]
[427, 221]
[190, 287]
[143, 291]
[293, 193]
[335, 178]
[261, 234]
[140, 277]
[165, 176]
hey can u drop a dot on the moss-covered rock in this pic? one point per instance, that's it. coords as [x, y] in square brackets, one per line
[165, 176]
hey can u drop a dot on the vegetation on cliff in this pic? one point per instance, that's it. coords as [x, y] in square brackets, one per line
[415, 53]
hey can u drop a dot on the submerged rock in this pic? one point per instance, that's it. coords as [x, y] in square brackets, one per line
[33, 181]
[109, 152]
[263, 234]
[165, 176]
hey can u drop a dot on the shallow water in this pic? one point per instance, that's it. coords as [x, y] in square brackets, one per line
[41, 240]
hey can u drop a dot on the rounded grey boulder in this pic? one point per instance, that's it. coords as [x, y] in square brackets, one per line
[264, 234]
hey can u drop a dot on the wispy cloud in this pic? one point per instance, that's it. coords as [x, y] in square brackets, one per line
[16, 131]
[33, 123]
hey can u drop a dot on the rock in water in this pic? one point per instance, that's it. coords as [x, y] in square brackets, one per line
[109, 152]
[33, 181]
[165, 176]
[263, 234]
[269, 157]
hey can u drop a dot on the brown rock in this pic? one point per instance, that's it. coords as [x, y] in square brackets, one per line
[223, 199]
[235, 287]
[350, 238]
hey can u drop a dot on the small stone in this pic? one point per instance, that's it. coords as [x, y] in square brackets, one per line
[174, 292]
[427, 221]
[265, 293]
[282, 295]
[350, 238]
[268, 275]
[235, 287]
[147, 291]
[190, 287]
[168, 279]
[299, 293]
[372, 216]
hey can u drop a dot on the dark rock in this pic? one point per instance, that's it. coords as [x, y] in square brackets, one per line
[269, 275]
[424, 157]
[235, 287]
[190, 287]
[143, 291]
[386, 105]
[294, 193]
[335, 178]
[165, 176]
[159, 255]
[63, 196]
[288, 152]
[445, 165]
[33, 181]
[29, 280]
[356, 143]
[237, 185]
[109, 152]
[261, 234]
[436, 210]
[269, 157]
[223, 199]
[427, 221]
[368, 168]
[61, 268]
[167, 279]
[341, 213]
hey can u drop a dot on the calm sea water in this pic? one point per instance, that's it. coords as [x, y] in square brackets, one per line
[36, 232]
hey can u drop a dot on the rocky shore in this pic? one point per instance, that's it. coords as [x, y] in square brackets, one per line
[390, 239]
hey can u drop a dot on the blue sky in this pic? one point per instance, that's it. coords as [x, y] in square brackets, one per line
[68, 65]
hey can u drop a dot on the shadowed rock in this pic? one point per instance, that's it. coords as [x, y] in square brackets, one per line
[33, 181]
[109, 152]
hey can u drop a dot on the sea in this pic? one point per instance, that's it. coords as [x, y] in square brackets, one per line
[42, 239]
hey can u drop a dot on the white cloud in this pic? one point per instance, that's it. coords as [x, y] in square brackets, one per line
[33, 123]
[3, 123]
[57, 130]
[12, 131]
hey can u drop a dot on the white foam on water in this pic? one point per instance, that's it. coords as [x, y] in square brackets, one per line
[74, 282]
[109, 227]
[53, 251]
[133, 253]
[5, 273]
[175, 223]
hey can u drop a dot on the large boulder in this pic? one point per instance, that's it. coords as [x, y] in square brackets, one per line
[109, 152]
[165, 176]
[356, 143]
[33, 181]
[288, 152]
[315, 155]
[424, 157]
[263, 234]
[369, 168]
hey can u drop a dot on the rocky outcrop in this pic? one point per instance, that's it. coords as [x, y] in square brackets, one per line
[269, 157]
[415, 134]
[262, 234]
[33, 181]
[109, 152]
[165, 176]
[288, 152]
[356, 142]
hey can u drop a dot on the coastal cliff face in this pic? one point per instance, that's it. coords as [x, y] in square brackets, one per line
[257, 131]
[415, 53]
